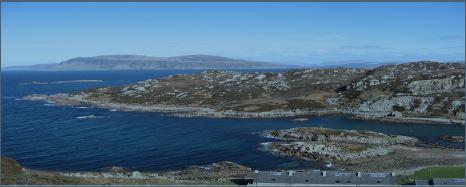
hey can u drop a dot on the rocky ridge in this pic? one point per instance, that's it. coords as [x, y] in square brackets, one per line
[427, 91]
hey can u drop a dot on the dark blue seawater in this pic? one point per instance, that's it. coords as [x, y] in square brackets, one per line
[52, 137]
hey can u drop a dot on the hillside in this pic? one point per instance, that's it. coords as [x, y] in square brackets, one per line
[138, 62]
[418, 91]
[222, 173]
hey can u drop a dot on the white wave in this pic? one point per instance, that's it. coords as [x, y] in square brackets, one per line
[6, 97]
[63, 82]
[89, 116]
[299, 119]
[82, 107]
[266, 143]
[113, 110]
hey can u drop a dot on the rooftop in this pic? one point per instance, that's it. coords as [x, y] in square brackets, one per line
[322, 177]
[448, 181]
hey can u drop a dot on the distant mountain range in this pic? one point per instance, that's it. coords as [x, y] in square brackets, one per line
[139, 62]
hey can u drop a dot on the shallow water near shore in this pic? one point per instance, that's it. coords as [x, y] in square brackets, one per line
[74, 138]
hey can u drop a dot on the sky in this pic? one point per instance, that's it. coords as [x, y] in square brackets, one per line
[292, 33]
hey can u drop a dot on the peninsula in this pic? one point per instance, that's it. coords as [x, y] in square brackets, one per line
[427, 92]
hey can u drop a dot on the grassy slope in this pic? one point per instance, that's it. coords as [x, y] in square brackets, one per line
[437, 172]
[13, 174]
[440, 172]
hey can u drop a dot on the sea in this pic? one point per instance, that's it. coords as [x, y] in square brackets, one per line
[84, 138]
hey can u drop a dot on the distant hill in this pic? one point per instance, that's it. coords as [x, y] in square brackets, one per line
[138, 62]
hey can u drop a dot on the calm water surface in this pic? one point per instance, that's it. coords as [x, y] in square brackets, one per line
[51, 137]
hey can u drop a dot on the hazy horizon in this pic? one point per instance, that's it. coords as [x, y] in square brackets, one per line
[352, 62]
[300, 34]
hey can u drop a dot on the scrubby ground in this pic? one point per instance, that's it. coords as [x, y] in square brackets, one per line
[224, 173]
[419, 91]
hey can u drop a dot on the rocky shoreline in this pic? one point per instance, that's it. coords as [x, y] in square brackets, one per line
[326, 151]
[419, 92]
[454, 139]
[202, 111]
[179, 111]
[222, 173]
[361, 150]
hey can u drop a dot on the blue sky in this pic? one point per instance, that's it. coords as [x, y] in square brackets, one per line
[296, 33]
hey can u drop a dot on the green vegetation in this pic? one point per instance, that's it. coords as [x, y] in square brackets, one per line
[416, 103]
[13, 174]
[233, 96]
[262, 107]
[439, 172]
[294, 104]
[275, 133]
[446, 106]
[429, 173]
[438, 99]
[354, 94]
[11, 171]
[398, 108]
[404, 180]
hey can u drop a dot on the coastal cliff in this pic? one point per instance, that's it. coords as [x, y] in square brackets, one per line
[419, 91]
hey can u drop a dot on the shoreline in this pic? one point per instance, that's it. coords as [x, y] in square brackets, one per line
[211, 112]
[224, 173]
[356, 150]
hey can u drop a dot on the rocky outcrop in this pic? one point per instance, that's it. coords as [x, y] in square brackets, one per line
[333, 144]
[422, 87]
[221, 171]
[454, 139]
[413, 90]
[327, 151]
[312, 134]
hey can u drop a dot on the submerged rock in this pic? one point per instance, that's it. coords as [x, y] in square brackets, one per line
[454, 139]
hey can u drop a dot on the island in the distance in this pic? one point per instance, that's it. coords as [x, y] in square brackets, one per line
[140, 62]
[414, 92]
